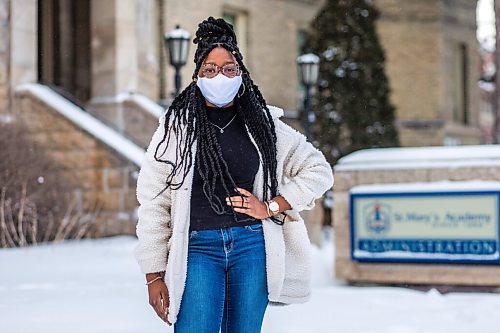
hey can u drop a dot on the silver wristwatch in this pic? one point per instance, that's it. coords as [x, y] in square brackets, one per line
[274, 207]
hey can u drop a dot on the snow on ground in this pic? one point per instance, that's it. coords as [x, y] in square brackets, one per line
[96, 286]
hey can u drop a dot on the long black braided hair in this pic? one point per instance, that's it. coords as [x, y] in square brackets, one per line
[187, 121]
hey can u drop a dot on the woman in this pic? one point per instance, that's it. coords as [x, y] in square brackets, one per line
[219, 189]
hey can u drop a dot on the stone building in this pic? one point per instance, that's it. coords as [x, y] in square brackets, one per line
[432, 61]
[107, 57]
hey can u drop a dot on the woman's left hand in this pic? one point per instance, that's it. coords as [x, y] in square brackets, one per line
[250, 205]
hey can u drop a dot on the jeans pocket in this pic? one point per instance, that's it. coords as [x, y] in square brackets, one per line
[254, 227]
[193, 234]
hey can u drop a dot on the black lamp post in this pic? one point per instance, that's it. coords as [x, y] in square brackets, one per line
[308, 65]
[177, 43]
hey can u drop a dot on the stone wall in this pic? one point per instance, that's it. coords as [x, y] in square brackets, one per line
[4, 55]
[103, 177]
[403, 273]
[23, 42]
[140, 123]
[420, 40]
[133, 115]
[18, 56]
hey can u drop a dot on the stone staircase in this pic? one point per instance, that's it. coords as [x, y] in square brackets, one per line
[131, 114]
[100, 160]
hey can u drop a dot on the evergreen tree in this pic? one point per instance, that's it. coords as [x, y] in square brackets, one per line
[352, 105]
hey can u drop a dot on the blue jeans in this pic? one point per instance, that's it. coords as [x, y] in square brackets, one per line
[226, 285]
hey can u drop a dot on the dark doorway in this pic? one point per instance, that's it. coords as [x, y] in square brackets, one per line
[64, 57]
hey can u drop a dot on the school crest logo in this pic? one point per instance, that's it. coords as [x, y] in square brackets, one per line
[377, 218]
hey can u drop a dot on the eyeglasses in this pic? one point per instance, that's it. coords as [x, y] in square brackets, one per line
[211, 70]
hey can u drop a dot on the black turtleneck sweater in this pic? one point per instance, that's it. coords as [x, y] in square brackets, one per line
[242, 160]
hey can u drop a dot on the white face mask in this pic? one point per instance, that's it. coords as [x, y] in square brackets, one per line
[219, 90]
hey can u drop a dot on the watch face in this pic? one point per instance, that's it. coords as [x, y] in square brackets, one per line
[273, 205]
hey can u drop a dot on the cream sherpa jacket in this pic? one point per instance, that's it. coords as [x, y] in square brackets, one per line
[163, 223]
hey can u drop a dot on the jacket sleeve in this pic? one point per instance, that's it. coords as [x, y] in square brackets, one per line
[306, 173]
[153, 227]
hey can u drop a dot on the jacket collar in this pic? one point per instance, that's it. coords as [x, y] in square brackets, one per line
[275, 111]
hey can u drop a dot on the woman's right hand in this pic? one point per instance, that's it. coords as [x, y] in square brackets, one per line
[158, 297]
